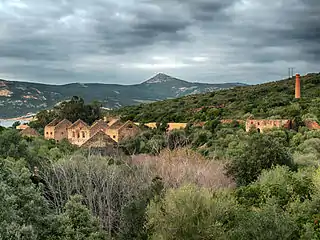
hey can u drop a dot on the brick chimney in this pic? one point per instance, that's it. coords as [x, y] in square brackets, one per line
[298, 86]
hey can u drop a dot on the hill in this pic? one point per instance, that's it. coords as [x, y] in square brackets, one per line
[20, 98]
[269, 100]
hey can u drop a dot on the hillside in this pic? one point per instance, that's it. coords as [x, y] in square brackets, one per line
[20, 98]
[269, 100]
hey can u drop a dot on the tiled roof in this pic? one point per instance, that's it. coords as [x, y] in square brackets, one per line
[116, 125]
[29, 132]
[66, 121]
[99, 136]
[53, 123]
[78, 122]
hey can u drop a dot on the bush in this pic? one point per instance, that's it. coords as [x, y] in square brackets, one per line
[190, 213]
[279, 184]
[267, 223]
[258, 153]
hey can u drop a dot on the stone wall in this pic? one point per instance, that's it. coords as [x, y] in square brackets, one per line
[78, 133]
[127, 131]
[263, 124]
[61, 130]
[312, 125]
[49, 132]
[98, 126]
[113, 133]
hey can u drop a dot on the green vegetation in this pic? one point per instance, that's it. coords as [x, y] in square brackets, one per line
[270, 100]
[211, 182]
[72, 110]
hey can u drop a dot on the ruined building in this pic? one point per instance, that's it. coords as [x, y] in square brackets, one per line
[100, 133]
[29, 132]
[119, 131]
[78, 132]
[57, 130]
[263, 124]
[102, 143]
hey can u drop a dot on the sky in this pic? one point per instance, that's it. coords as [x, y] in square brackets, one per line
[128, 41]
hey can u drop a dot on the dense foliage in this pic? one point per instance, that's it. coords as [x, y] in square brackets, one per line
[212, 182]
[72, 110]
[173, 195]
[270, 100]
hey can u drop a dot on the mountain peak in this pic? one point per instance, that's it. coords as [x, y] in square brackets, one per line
[161, 78]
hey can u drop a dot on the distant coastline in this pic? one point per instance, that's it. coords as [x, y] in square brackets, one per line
[7, 122]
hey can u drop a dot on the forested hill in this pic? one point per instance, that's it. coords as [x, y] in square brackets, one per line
[20, 98]
[269, 100]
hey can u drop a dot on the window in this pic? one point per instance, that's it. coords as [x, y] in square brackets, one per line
[258, 124]
[47, 133]
[61, 133]
[83, 134]
[50, 133]
[114, 136]
[251, 122]
[78, 134]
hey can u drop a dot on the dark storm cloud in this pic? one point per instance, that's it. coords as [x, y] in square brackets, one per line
[208, 10]
[125, 40]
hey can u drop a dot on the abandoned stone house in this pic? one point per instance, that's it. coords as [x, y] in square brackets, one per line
[97, 126]
[102, 143]
[29, 132]
[119, 131]
[57, 130]
[81, 134]
[263, 124]
[78, 132]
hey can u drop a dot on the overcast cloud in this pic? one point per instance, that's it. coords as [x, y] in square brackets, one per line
[127, 41]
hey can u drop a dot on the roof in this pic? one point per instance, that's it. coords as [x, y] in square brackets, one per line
[98, 123]
[112, 121]
[53, 123]
[97, 126]
[116, 125]
[101, 137]
[128, 123]
[29, 132]
[78, 122]
[66, 121]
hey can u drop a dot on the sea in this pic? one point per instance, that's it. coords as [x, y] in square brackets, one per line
[9, 122]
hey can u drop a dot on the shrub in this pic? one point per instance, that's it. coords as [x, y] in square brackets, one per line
[190, 213]
[260, 152]
[267, 223]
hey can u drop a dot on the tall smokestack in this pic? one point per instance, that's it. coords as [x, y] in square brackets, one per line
[298, 86]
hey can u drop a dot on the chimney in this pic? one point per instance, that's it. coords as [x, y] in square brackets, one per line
[298, 86]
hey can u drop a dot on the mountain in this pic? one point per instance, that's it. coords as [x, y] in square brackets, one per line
[20, 98]
[270, 100]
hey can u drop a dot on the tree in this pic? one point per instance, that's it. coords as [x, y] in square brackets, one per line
[24, 212]
[190, 213]
[258, 153]
[16, 124]
[12, 145]
[78, 223]
[177, 138]
[267, 223]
